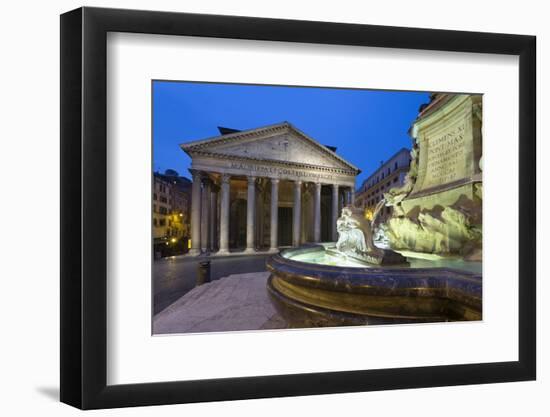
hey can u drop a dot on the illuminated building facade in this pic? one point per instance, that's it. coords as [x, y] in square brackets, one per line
[390, 174]
[265, 188]
[171, 202]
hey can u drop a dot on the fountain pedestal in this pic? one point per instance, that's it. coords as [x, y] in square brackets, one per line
[310, 294]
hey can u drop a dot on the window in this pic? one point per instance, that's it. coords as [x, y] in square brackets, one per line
[395, 179]
[154, 196]
[389, 171]
[395, 166]
[162, 210]
[162, 222]
[155, 222]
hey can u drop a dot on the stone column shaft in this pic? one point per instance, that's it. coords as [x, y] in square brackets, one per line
[274, 228]
[335, 210]
[250, 215]
[297, 212]
[213, 218]
[196, 214]
[352, 196]
[224, 214]
[205, 215]
[317, 213]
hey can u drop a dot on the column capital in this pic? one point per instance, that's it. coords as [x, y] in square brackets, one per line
[274, 180]
[225, 178]
[251, 179]
[298, 183]
[318, 185]
[196, 174]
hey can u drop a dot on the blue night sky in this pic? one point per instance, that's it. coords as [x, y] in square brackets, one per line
[367, 126]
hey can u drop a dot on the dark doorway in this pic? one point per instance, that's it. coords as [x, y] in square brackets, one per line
[285, 226]
[326, 214]
[237, 224]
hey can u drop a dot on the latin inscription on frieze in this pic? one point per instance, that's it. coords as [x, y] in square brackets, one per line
[270, 171]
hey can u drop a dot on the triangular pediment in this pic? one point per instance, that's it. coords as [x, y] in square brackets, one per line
[281, 142]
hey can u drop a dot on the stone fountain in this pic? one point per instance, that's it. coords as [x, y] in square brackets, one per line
[436, 222]
[356, 283]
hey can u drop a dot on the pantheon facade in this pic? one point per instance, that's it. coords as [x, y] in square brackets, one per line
[265, 188]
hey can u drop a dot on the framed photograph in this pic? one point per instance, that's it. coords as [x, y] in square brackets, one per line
[257, 208]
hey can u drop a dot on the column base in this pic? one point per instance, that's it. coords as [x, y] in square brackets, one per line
[273, 250]
[223, 252]
[249, 251]
[194, 252]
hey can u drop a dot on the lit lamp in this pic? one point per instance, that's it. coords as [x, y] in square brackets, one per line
[368, 214]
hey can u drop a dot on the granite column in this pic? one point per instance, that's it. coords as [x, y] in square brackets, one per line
[195, 213]
[297, 214]
[335, 210]
[224, 214]
[250, 215]
[274, 227]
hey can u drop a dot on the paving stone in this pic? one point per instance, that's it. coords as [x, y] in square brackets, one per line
[235, 302]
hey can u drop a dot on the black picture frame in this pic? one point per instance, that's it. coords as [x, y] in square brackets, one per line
[84, 207]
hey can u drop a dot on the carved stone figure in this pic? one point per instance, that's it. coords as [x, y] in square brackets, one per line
[355, 239]
[354, 233]
[394, 196]
[380, 236]
[449, 231]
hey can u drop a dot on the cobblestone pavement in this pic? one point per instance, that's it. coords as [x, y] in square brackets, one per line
[176, 276]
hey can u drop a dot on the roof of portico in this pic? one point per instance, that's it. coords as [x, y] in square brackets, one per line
[226, 146]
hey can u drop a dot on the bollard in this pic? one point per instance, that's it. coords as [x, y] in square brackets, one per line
[203, 272]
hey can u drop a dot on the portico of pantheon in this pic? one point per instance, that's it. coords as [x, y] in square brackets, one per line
[265, 188]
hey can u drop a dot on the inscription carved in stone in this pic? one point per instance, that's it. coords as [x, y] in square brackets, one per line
[446, 157]
[270, 170]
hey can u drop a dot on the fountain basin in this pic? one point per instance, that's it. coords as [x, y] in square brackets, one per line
[316, 292]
